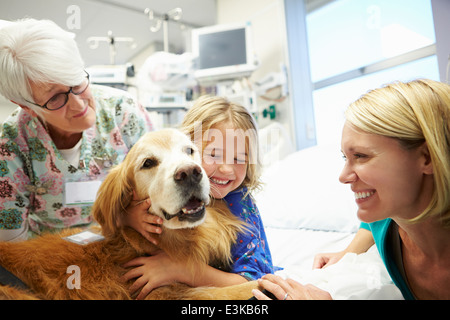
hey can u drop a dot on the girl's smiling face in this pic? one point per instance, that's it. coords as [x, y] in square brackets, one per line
[225, 159]
[388, 180]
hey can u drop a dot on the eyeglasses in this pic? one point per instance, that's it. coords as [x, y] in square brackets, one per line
[59, 100]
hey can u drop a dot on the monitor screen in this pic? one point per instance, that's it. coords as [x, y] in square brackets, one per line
[221, 49]
[223, 52]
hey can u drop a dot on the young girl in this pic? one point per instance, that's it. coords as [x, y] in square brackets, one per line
[226, 135]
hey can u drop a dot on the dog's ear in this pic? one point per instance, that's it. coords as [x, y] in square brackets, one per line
[113, 197]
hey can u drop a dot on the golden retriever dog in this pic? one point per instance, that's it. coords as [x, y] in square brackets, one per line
[165, 166]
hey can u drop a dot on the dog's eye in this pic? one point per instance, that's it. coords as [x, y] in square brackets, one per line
[189, 150]
[149, 163]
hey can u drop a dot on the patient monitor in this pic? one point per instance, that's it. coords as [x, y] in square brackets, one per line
[223, 52]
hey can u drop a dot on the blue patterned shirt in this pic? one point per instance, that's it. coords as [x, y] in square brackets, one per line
[251, 254]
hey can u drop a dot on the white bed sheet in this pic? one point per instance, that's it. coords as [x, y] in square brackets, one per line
[354, 277]
[297, 247]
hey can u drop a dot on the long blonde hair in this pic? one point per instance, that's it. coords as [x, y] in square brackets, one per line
[413, 113]
[211, 111]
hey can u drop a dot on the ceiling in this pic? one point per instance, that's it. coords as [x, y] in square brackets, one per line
[124, 18]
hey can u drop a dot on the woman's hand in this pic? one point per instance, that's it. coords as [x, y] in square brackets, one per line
[138, 218]
[288, 289]
[362, 241]
[323, 260]
[152, 272]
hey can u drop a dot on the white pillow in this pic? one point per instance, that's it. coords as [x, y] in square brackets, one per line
[303, 191]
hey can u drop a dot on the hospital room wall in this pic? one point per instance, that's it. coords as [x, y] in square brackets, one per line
[6, 108]
[441, 11]
[269, 39]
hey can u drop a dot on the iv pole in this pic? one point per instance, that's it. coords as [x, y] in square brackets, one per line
[94, 43]
[174, 14]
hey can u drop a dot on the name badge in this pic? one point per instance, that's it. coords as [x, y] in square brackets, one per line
[84, 237]
[81, 193]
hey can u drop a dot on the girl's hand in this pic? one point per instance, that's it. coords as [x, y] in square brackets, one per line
[138, 218]
[288, 289]
[152, 272]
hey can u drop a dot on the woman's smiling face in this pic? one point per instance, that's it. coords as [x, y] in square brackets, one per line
[388, 180]
[77, 115]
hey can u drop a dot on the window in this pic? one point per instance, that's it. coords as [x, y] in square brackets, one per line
[349, 34]
[330, 102]
[357, 45]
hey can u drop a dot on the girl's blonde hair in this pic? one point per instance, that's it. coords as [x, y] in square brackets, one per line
[414, 113]
[209, 112]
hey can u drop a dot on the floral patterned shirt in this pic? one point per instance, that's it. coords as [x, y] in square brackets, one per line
[251, 255]
[33, 172]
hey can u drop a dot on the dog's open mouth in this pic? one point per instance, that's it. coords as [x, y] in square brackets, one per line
[192, 211]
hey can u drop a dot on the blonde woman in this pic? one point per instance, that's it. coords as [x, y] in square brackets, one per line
[396, 142]
[226, 135]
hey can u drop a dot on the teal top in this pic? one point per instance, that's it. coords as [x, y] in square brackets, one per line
[387, 240]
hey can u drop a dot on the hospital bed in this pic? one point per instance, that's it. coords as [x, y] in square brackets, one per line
[305, 211]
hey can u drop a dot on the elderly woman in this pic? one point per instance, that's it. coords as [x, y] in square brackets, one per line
[396, 142]
[59, 144]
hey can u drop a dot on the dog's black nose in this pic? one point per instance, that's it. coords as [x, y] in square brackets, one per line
[189, 174]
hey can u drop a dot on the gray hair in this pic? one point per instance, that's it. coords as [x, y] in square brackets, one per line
[37, 51]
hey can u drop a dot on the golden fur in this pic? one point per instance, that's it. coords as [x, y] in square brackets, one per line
[42, 263]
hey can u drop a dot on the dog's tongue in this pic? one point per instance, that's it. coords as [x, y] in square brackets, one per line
[192, 206]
